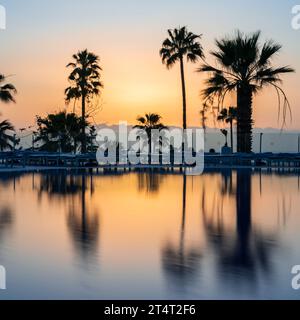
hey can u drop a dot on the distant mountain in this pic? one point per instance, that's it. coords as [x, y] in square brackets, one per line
[274, 140]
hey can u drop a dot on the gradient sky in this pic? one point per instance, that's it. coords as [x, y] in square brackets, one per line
[42, 35]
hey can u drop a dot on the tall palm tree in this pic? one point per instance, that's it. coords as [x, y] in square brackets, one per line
[179, 44]
[229, 116]
[7, 90]
[244, 67]
[6, 140]
[85, 83]
[151, 121]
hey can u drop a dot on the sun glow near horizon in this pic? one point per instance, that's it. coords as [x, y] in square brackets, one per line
[37, 51]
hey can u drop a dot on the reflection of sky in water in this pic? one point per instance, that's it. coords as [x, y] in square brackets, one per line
[221, 235]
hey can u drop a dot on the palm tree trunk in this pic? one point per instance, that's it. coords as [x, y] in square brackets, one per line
[83, 143]
[183, 93]
[231, 135]
[244, 119]
[183, 213]
[149, 148]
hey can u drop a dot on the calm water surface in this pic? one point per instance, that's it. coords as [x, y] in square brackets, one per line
[221, 235]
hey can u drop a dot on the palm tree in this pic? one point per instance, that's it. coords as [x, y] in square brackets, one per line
[59, 132]
[7, 90]
[85, 83]
[244, 67]
[151, 121]
[179, 44]
[6, 140]
[229, 116]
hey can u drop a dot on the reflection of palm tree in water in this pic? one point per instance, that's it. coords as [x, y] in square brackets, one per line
[179, 263]
[214, 229]
[61, 184]
[246, 252]
[284, 208]
[6, 212]
[149, 182]
[7, 177]
[83, 226]
[227, 184]
[6, 220]
[242, 255]
[252, 247]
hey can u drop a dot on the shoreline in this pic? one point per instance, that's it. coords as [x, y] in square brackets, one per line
[125, 169]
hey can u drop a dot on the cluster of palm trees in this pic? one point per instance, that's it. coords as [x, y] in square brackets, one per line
[62, 132]
[242, 66]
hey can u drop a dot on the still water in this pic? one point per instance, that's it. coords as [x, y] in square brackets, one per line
[222, 235]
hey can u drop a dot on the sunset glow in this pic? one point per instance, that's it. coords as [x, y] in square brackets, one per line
[42, 36]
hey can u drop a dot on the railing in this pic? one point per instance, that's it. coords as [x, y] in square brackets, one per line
[45, 159]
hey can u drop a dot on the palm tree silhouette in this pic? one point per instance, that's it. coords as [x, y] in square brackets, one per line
[59, 132]
[6, 141]
[7, 90]
[85, 83]
[148, 123]
[179, 44]
[229, 116]
[244, 67]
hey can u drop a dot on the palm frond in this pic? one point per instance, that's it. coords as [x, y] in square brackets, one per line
[181, 43]
[7, 91]
[84, 76]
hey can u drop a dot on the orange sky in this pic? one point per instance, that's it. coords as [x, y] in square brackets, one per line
[136, 84]
[37, 50]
